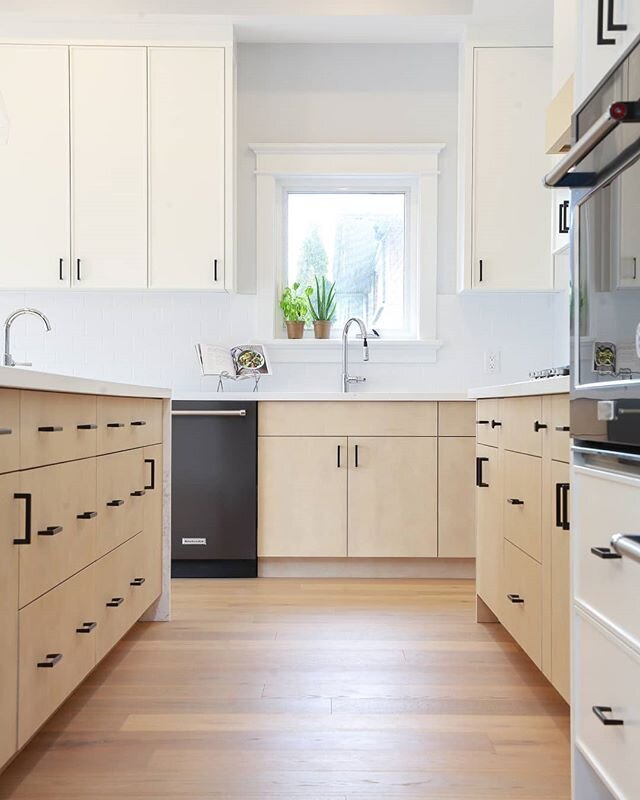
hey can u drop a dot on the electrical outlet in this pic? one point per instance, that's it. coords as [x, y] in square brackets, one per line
[492, 361]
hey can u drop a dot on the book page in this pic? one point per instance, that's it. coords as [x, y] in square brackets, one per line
[215, 360]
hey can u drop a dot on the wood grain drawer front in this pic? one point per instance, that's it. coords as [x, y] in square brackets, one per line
[57, 648]
[347, 418]
[116, 598]
[9, 430]
[63, 526]
[56, 427]
[145, 571]
[489, 515]
[8, 684]
[606, 689]
[522, 423]
[393, 497]
[559, 428]
[457, 418]
[121, 497]
[604, 505]
[13, 527]
[523, 502]
[128, 422]
[488, 422]
[522, 589]
[560, 580]
[456, 493]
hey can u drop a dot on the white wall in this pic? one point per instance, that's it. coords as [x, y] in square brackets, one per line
[290, 93]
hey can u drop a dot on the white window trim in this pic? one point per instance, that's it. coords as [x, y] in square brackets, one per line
[284, 166]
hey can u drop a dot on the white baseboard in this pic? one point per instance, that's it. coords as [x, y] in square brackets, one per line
[459, 568]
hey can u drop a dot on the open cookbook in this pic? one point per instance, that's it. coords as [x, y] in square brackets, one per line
[237, 362]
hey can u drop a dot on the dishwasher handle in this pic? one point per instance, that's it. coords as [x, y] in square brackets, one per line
[235, 412]
[626, 545]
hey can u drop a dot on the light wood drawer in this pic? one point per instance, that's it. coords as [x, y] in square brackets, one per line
[13, 525]
[128, 422]
[457, 418]
[117, 600]
[522, 587]
[488, 422]
[523, 502]
[603, 505]
[56, 427]
[63, 525]
[145, 570]
[606, 677]
[9, 430]
[559, 427]
[54, 655]
[8, 684]
[121, 497]
[521, 425]
[347, 418]
[456, 497]
[489, 538]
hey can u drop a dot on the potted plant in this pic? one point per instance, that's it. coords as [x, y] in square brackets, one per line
[294, 305]
[324, 309]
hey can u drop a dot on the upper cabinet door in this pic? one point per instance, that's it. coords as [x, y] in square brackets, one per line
[511, 235]
[186, 167]
[34, 167]
[109, 166]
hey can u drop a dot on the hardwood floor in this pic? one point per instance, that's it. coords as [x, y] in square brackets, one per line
[314, 689]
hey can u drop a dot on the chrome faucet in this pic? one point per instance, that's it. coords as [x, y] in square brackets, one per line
[8, 358]
[346, 378]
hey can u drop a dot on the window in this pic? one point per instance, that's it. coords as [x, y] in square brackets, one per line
[357, 240]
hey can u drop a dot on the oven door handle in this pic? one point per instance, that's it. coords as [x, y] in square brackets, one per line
[628, 546]
[616, 113]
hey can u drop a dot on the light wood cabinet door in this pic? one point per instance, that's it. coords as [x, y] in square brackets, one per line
[12, 514]
[121, 497]
[63, 525]
[128, 422]
[559, 428]
[57, 649]
[393, 497]
[489, 547]
[186, 160]
[523, 427]
[9, 430]
[522, 504]
[153, 524]
[560, 580]
[456, 497]
[109, 166]
[302, 496]
[457, 418]
[488, 422]
[34, 167]
[8, 684]
[522, 588]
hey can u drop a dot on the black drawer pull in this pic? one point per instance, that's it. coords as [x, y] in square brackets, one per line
[87, 515]
[87, 426]
[115, 503]
[480, 483]
[27, 517]
[137, 582]
[5, 431]
[115, 424]
[52, 660]
[115, 602]
[539, 426]
[600, 712]
[563, 428]
[50, 429]
[604, 552]
[482, 422]
[513, 501]
[138, 493]
[138, 423]
[51, 530]
[495, 423]
[562, 506]
[151, 461]
[515, 598]
[87, 627]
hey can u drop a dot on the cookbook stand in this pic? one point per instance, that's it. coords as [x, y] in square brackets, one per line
[247, 376]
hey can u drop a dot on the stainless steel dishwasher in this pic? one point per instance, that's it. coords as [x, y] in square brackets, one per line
[214, 489]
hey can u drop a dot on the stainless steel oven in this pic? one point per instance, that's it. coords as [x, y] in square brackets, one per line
[603, 170]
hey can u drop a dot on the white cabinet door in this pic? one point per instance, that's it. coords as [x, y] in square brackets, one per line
[109, 166]
[186, 167]
[34, 167]
[511, 237]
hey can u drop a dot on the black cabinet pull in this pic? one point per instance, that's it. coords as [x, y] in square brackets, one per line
[357, 462]
[515, 598]
[50, 429]
[77, 269]
[115, 503]
[215, 270]
[151, 461]
[87, 515]
[115, 424]
[138, 423]
[138, 493]
[482, 422]
[563, 428]
[600, 712]
[87, 426]
[137, 582]
[5, 431]
[87, 627]
[605, 553]
[60, 268]
[563, 214]
[562, 506]
[480, 460]
[52, 660]
[513, 501]
[51, 530]
[611, 25]
[27, 517]
[481, 265]
[495, 424]
[115, 602]
[338, 456]
[539, 426]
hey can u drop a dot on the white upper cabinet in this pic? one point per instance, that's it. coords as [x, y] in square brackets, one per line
[186, 168]
[511, 241]
[34, 167]
[109, 166]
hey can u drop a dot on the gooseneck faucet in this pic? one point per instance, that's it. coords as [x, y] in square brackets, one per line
[346, 378]
[8, 358]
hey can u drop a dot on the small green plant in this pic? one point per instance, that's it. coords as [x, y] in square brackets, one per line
[294, 304]
[325, 305]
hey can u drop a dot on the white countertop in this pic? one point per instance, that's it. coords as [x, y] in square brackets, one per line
[15, 378]
[323, 396]
[559, 385]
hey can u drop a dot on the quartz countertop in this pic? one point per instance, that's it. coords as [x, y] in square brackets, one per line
[558, 385]
[15, 378]
[324, 396]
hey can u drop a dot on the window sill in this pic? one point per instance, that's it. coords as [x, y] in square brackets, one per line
[326, 351]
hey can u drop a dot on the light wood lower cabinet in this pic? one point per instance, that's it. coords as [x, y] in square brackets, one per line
[522, 586]
[489, 535]
[456, 507]
[121, 497]
[8, 684]
[9, 427]
[560, 580]
[523, 502]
